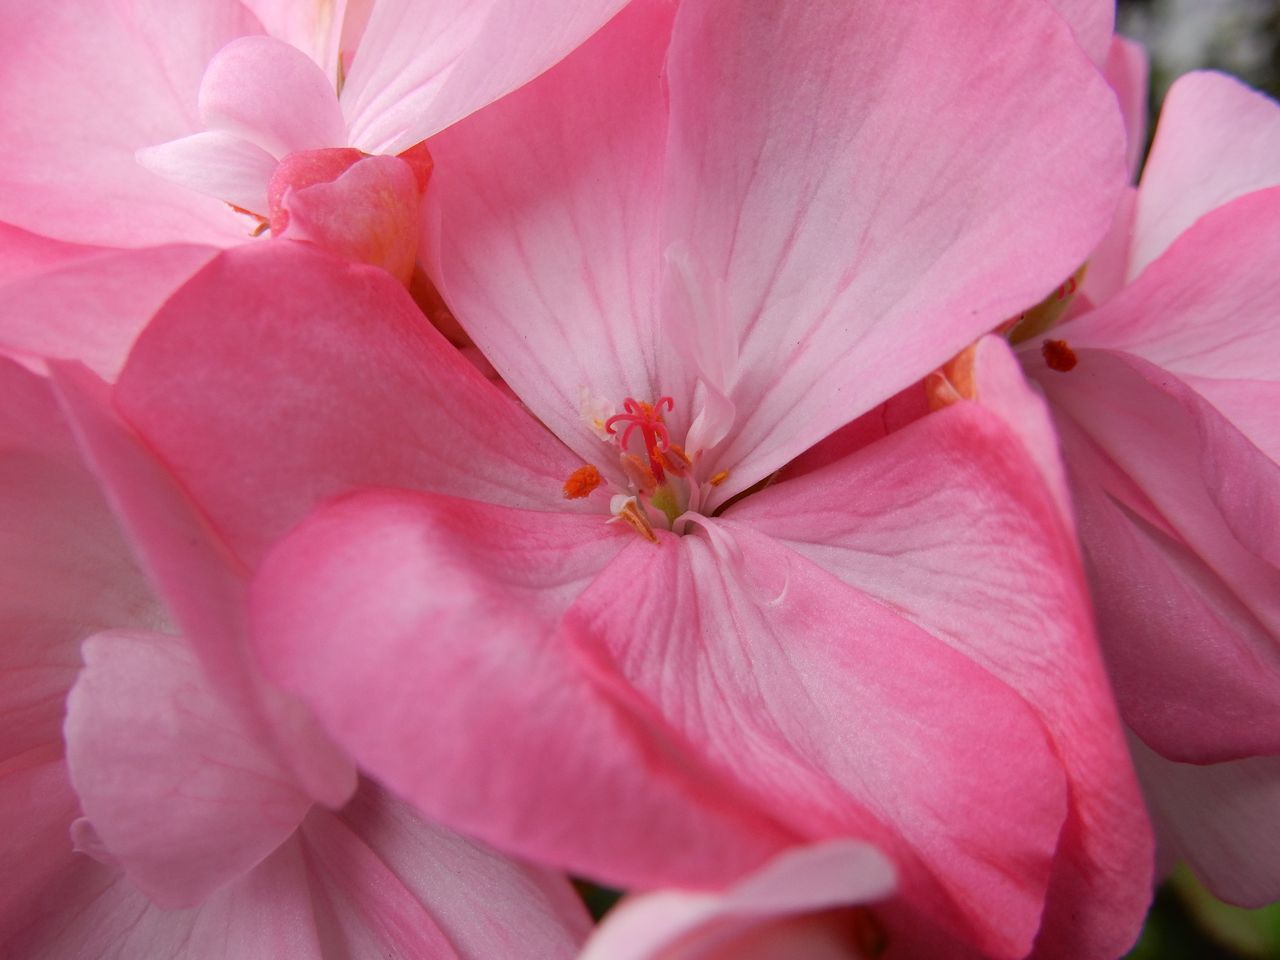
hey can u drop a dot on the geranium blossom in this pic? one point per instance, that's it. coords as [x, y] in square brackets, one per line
[895, 647]
[1163, 386]
[210, 842]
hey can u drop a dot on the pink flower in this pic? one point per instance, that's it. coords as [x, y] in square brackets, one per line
[231, 120]
[896, 647]
[211, 844]
[1163, 386]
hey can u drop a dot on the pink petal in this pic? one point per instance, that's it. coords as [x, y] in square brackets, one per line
[68, 572]
[1108, 268]
[1206, 307]
[1221, 819]
[425, 631]
[74, 117]
[398, 886]
[169, 773]
[23, 254]
[952, 526]
[95, 913]
[279, 340]
[1128, 71]
[217, 164]
[553, 190]
[1092, 22]
[201, 584]
[931, 202]
[369, 214]
[272, 95]
[314, 28]
[678, 925]
[422, 66]
[1177, 512]
[93, 308]
[838, 717]
[1216, 140]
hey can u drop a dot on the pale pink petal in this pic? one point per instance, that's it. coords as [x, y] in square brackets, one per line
[273, 95]
[1128, 71]
[1250, 406]
[95, 913]
[1177, 514]
[1216, 140]
[67, 571]
[895, 191]
[949, 522]
[399, 886]
[1206, 307]
[315, 28]
[93, 308]
[425, 632]
[1108, 268]
[838, 717]
[202, 585]
[279, 340]
[23, 253]
[1220, 818]
[170, 774]
[369, 214]
[554, 190]
[1092, 22]
[218, 164]
[83, 85]
[678, 925]
[423, 66]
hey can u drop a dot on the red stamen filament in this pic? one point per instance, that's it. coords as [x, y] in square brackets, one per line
[647, 418]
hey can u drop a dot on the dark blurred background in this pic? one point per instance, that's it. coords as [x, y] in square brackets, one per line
[1240, 37]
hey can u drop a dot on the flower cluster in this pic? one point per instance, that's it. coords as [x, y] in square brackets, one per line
[764, 457]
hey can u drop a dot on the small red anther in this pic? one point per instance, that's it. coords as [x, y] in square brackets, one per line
[581, 482]
[1058, 355]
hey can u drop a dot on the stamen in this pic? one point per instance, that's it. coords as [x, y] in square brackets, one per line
[631, 514]
[719, 478]
[581, 482]
[1058, 355]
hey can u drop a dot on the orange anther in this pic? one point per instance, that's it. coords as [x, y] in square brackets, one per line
[634, 517]
[1058, 356]
[719, 478]
[581, 482]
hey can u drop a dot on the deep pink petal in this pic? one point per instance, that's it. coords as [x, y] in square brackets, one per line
[839, 717]
[281, 341]
[399, 886]
[272, 95]
[554, 191]
[895, 191]
[1128, 70]
[744, 921]
[1215, 141]
[170, 774]
[1177, 515]
[1206, 307]
[369, 214]
[949, 522]
[217, 164]
[74, 115]
[424, 630]
[423, 66]
[202, 586]
[93, 308]
[1220, 818]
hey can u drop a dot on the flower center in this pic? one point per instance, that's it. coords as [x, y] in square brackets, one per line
[659, 486]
